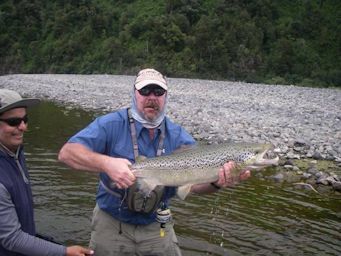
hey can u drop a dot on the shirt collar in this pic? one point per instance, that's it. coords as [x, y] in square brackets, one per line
[4, 149]
[140, 128]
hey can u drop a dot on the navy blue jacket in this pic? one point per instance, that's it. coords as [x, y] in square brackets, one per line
[20, 191]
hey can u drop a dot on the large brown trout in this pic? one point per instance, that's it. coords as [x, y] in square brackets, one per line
[198, 165]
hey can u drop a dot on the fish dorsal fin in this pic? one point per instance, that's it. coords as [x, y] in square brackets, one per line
[184, 148]
[181, 149]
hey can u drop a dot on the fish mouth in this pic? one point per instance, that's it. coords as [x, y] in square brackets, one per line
[261, 161]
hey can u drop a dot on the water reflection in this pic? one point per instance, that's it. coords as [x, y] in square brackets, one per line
[255, 218]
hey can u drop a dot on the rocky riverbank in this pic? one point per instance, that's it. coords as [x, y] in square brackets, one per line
[302, 122]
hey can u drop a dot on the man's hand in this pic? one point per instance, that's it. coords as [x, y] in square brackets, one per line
[78, 251]
[229, 177]
[118, 169]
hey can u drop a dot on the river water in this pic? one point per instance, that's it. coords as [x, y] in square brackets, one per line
[257, 217]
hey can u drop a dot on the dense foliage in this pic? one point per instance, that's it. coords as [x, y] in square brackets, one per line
[274, 41]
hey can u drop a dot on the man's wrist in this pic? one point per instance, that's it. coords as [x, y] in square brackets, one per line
[215, 185]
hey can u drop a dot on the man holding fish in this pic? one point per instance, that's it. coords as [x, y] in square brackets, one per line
[131, 216]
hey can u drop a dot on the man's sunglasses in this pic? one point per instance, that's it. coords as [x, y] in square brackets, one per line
[155, 89]
[15, 121]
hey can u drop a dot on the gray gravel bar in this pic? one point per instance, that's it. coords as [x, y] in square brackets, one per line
[301, 122]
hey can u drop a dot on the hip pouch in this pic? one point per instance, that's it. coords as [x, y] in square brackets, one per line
[138, 202]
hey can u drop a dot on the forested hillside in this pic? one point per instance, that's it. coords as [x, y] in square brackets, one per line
[272, 41]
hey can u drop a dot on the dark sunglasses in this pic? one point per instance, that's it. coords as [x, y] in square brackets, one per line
[15, 121]
[155, 89]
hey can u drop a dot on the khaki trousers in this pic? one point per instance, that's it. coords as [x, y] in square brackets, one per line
[106, 239]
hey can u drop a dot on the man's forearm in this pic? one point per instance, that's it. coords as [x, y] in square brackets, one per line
[14, 239]
[205, 188]
[80, 157]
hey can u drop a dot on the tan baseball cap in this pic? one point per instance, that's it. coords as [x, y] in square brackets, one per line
[150, 76]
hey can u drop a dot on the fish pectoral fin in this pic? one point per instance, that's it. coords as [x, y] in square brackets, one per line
[183, 191]
[141, 158]
[146, 186]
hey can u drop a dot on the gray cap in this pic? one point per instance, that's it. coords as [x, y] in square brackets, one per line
[10, 99]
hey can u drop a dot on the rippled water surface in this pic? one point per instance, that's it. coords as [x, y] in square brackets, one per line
[256, 217]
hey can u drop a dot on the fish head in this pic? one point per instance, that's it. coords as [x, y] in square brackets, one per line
[253, 157]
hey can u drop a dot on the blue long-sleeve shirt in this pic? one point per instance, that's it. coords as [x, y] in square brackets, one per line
[110, 135]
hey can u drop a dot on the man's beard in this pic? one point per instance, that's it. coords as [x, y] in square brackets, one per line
[140, 116]
[156, 107]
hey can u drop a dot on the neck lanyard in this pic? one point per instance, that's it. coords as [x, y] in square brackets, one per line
[134, 136]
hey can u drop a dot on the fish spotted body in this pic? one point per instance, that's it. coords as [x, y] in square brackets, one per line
[198, 165]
